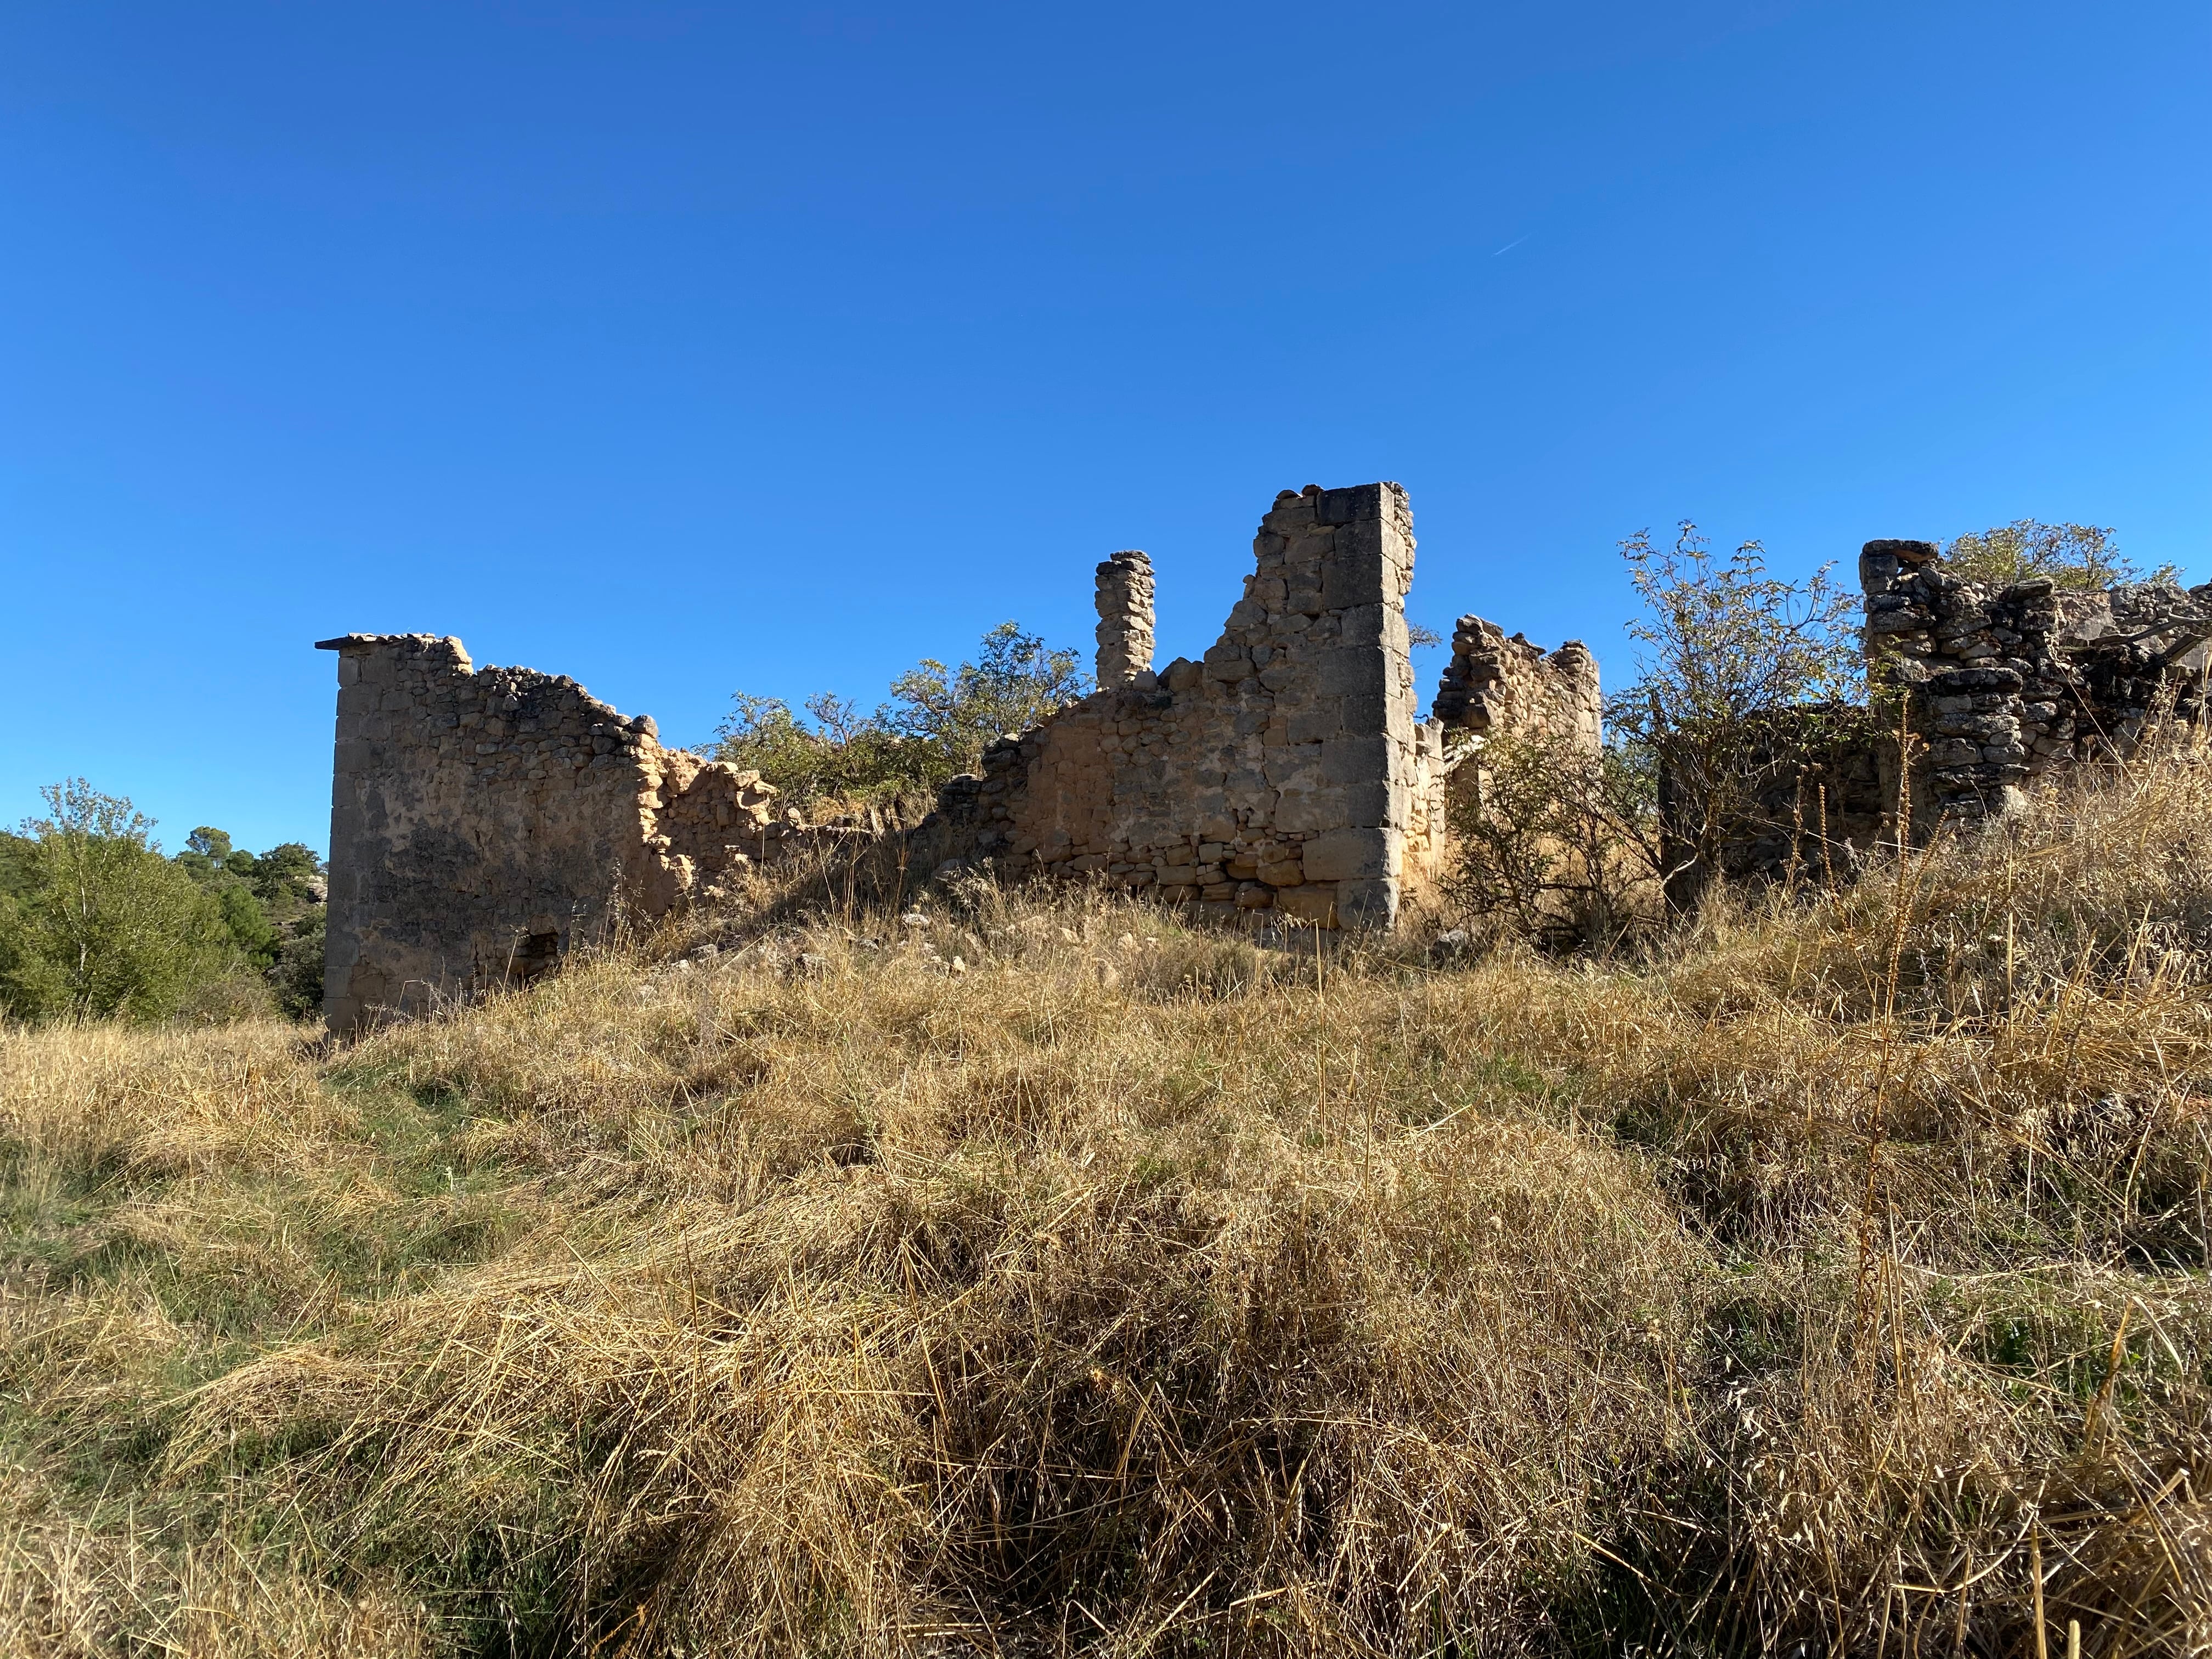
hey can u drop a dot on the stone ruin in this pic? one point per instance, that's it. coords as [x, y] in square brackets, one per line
[1497, 684]
[484, 823]
[1999, 685]
[2005, 684]
[1280, 771]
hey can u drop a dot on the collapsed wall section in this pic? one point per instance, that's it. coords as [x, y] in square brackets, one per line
[484, 823]
[1998, 685]
[2004, 682]
[1499, 685]
[1497, 688]
[1277, 773]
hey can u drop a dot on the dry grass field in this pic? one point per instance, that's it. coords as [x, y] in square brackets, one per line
[1833, 1283]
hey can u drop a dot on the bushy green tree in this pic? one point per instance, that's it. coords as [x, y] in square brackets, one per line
[226, 871]
[833, 753]
[286, 877]
[96, 922]
[935, 726]
[297, 977]
[271, 905]
[1016, 682]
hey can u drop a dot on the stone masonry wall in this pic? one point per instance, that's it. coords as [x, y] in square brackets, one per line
[2006, 683]
[486, 822]
[1497, 684]
[1125, 621]
[483, 822]
[2001, 685]
[1279, 772]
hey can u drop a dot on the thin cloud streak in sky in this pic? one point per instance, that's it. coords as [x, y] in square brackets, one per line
[1515, 243]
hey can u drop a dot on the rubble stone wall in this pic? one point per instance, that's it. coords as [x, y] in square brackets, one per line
[1280, 772]
[1499, 684]
[483, 822]
[2005, 682]
[2000, 684]
[486, 822]
[1125, 620]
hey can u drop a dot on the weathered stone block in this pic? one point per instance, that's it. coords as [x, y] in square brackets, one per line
[1367, 903]
[1312, 904]
[1354, 854]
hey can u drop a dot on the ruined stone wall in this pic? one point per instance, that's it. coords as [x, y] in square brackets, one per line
[483, 822]
[1496, 686]
[2003, 684]
[1499, 685]
[1277, 773]
[1125, 621]
[2000, 684]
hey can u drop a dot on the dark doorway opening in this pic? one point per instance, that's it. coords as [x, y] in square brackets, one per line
[534, 954]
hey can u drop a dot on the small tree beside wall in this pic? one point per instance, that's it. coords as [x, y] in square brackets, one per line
[1730, 654]
[1744, 697]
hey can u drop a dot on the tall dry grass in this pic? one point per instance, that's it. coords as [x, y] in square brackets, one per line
[1837, 1282]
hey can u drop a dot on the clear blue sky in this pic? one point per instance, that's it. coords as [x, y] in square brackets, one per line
[682, 348]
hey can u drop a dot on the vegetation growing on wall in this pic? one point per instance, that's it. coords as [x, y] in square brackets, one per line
[2073, 556]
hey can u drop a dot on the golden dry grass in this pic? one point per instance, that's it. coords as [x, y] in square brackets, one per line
[1837, 1280]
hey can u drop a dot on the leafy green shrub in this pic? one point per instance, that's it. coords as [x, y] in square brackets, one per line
[272, 905]
[935, 726]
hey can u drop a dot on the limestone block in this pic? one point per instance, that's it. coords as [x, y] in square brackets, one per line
[1313, 904]
[1354, 854]
[1357, 757]
[1371, 902]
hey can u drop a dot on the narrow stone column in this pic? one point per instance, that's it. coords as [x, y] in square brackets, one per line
[1125, 620]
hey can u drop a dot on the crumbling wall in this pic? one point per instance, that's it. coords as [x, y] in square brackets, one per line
[1500, 685]
[1125, 621]
[1999, 683]
[1279, 772]
[2003, 684]
[484, 823]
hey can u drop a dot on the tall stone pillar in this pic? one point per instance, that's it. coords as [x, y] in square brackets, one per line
[1347, 681]
[1125, 621]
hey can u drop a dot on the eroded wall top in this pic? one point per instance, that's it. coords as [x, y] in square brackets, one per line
[1278, 772]
[1499, 684]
